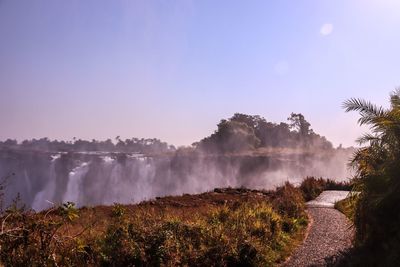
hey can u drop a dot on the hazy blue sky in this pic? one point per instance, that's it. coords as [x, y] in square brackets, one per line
[173, 69]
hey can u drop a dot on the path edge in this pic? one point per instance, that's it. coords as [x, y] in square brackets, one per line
[310, 223]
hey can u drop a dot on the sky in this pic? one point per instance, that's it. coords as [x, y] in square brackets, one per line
[173, 69]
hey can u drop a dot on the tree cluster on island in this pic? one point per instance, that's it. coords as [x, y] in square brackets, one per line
[244, 132]
[239, 133]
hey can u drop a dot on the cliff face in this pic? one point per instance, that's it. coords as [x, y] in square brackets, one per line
[43, 178]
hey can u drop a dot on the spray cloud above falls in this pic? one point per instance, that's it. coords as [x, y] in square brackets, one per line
[244, 151]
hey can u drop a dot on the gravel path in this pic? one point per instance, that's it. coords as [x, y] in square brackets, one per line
[329, 233]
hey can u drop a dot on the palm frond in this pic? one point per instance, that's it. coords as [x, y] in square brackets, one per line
[367, 138]
[377, 167]
[370, 113]
[361, 105]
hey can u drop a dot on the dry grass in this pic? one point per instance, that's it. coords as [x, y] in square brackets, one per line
[347, 207]
[227, 227]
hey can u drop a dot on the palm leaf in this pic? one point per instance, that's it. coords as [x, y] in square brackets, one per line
[370, 113]
[367, 138]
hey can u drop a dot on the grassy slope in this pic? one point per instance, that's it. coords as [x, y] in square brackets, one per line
[225, 227]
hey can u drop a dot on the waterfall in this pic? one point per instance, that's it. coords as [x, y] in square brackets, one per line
[74, 186]
[95, 179]
[109, 181]
[44, 198]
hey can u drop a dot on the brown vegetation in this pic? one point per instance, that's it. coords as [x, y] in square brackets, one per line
[226, 227]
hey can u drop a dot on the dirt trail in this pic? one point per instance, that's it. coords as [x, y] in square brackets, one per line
[330, 232]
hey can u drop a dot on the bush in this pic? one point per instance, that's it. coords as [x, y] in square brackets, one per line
[289, 201]
[312, 187]
[259, 231]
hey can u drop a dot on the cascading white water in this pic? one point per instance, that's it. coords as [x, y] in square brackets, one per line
[44, 199]
[87, 179]
[74, 187]
[142, 183]
[110, 182]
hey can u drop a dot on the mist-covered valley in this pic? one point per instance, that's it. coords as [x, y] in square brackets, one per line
[244, 151]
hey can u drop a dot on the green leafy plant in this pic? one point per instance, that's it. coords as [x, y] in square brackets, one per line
[69, 211]
[118, 210]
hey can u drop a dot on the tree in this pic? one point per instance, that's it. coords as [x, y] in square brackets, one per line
[253, 121]
[266, 134]
[231, 136]
[377, 164]
[10, 142]
[299, 124]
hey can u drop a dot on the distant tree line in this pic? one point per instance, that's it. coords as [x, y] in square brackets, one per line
[239, 133]
[246, 132]
[149, 145]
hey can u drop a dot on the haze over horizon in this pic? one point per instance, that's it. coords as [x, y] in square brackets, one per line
[172, 70]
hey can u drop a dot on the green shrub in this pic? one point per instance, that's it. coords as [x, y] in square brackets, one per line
[69, 211]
